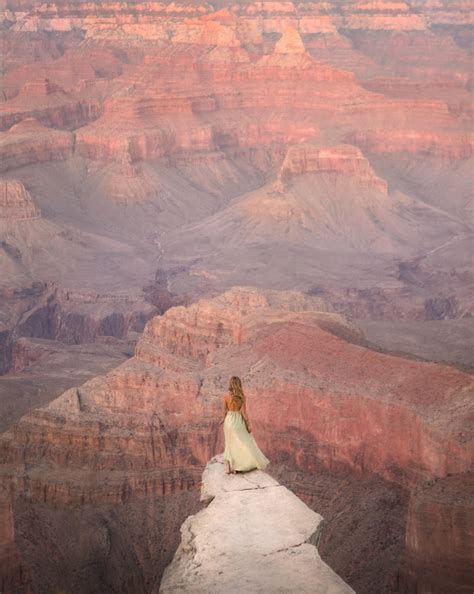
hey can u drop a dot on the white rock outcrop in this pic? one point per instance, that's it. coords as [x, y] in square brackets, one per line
[254, 536]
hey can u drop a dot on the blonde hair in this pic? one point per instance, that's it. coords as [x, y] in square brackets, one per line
[235, 390]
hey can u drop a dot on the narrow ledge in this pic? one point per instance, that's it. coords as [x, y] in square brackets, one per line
[254, 536]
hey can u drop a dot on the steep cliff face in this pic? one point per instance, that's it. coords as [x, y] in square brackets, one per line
[96, 81]
[73, 317]
[439, 552]
[268, 543]
[345, 160]
[317, 398]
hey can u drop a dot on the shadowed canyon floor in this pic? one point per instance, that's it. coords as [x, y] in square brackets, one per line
[155, 154]
[44, 369]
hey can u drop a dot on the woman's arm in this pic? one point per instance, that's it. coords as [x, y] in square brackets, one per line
[246, 417]
[224, 407]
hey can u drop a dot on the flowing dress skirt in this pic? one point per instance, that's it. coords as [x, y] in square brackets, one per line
[241, 449]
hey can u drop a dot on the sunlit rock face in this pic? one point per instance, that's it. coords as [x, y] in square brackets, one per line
[317, 397]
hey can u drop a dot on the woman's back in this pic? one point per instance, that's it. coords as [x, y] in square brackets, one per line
[231, 405]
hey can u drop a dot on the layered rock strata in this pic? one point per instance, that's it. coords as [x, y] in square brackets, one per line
[42, 369]
[343, 160]
[16, 202]
[267, 543]
[222, 57]
[30, 142]
[316, 396]
[132, 120]
[439, 553]
[72, 317]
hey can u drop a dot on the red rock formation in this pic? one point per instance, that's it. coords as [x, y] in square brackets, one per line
[13, 573]
[16, 202]
[417, 55]
[128, 184]
[30, 142]
[72, 316]
[52, 106]
[452, 145]
[187, 87]
[345, 160]
[210, 49]
[439, 554]
[149, 426]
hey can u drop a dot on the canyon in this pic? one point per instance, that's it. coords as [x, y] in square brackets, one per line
[277, 190]
[319, 398]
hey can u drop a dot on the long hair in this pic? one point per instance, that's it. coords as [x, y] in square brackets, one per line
[235, 390]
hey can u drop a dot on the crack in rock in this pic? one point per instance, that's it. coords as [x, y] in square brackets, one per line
[250, 529]
[312, 540]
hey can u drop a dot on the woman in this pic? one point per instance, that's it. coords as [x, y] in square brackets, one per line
[241, 450]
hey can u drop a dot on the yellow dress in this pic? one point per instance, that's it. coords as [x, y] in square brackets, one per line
[241, 449]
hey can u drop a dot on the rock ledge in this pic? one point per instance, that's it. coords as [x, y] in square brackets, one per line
[254, 536]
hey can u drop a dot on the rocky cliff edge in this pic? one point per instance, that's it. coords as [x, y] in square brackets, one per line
[254, 536]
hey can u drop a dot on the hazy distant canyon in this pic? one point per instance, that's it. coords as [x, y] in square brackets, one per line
[281, 190]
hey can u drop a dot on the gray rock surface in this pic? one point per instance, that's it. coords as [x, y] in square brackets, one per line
[254, 536]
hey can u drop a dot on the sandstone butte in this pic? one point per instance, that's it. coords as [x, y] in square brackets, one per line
[346, 160]
[254, 536]
[16, 202]
[318, 398]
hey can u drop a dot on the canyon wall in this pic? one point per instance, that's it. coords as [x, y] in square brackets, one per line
[317, 398]
[440, 559]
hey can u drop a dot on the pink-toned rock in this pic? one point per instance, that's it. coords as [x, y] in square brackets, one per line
[30, 142]
[174, 378]
[16, 202]
[439, 553]
[315, 397]
[48, 103]
[219, 29]
[290, 42]
[13, 573]
[450, 145]
[345, 160]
